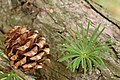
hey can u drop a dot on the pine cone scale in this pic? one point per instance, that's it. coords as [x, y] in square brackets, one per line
[32, 52]
[37, 57]
[27, 66]
[14, 57]
[24, 47]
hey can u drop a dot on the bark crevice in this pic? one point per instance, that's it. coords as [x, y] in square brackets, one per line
[104, 16]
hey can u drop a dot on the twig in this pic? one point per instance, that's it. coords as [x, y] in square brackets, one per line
[23, 74]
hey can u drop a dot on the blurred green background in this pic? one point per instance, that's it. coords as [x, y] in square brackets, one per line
[112, 7]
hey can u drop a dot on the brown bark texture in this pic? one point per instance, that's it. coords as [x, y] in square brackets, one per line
[51, 17]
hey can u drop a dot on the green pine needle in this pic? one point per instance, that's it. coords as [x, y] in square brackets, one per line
[85, 51]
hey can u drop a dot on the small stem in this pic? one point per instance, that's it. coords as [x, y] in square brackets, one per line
[26, 77]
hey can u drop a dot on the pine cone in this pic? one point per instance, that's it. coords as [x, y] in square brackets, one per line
[26, 49]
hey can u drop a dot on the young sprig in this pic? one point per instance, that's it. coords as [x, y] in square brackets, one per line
[84, 51]
[10, 76]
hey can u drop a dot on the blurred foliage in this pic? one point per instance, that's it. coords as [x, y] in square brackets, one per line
[10, 76]
[112, 6]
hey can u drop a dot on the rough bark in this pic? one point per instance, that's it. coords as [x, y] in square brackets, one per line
[51, 17]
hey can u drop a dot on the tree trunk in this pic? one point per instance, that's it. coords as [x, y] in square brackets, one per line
[51, 17]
